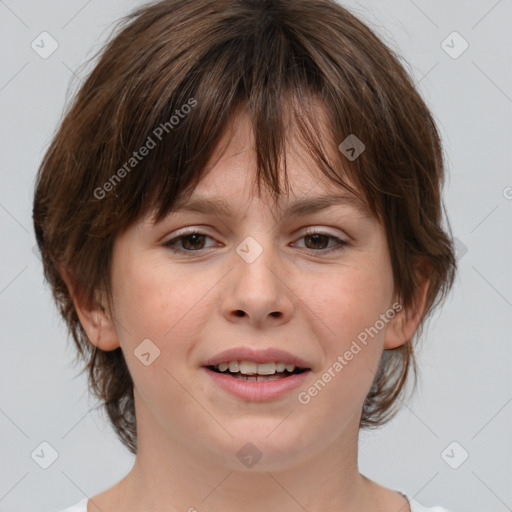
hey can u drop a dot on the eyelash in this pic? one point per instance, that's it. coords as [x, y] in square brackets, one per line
[171, 244]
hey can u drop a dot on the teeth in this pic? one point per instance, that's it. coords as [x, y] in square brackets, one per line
[252, 368]
[266, 369]
[248, 367]
[257, 378]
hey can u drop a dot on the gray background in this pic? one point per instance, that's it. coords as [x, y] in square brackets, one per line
[465, 393]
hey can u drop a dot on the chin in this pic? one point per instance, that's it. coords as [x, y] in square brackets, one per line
[262, 447]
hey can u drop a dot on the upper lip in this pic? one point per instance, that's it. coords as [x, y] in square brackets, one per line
[268, 355]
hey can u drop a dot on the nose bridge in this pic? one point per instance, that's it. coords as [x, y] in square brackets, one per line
[258, 260]
[258, 288]
[258, 229]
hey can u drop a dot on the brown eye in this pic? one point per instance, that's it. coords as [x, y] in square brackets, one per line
[191, 241]
[319, 242]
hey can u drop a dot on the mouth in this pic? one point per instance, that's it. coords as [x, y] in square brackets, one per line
[256, 372]
[257, 375]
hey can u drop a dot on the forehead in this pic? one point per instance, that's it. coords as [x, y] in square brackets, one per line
[300, 206]
[232, 171]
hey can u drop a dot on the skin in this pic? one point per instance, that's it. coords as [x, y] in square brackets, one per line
[189, 430]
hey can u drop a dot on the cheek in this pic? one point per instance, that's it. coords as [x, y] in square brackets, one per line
[149, 298]
[351, 345]
[153, 303]
[167, 306]
[349, 303]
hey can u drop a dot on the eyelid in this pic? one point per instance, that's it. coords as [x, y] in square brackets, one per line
[318, 231]
[182, 233]
[185, 231]
[341, 243]
[308, 231]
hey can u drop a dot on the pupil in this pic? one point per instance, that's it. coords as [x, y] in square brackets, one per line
[316, 236]
[187, 239]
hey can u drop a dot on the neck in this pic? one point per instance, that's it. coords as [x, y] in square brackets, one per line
[171, 475]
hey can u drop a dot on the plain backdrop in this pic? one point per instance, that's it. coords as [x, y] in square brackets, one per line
[451, 443]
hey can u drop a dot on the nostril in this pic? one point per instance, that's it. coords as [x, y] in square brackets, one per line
[240, 313]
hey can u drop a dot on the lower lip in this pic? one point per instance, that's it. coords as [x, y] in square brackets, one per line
[255, 391]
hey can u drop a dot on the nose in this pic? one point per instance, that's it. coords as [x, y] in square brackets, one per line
[258, 292]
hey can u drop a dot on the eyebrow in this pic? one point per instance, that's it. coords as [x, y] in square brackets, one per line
[299, 208]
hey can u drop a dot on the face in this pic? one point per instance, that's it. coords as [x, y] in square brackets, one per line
[315, 285]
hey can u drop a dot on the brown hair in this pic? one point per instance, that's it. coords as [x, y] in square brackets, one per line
[216, 56]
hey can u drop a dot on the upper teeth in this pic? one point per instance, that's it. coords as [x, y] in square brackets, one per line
[252, 368]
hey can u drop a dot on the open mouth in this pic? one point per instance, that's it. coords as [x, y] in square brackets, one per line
[256, 376]
[260, 381]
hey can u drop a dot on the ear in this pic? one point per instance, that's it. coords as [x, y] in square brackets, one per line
[94, 316]
[405, 323]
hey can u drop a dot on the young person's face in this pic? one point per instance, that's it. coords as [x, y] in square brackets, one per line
[254, 280]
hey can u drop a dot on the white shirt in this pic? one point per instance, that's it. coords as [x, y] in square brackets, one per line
[415, 507]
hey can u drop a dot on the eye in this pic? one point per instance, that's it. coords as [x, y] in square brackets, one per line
[318, 240]
[191, 241]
